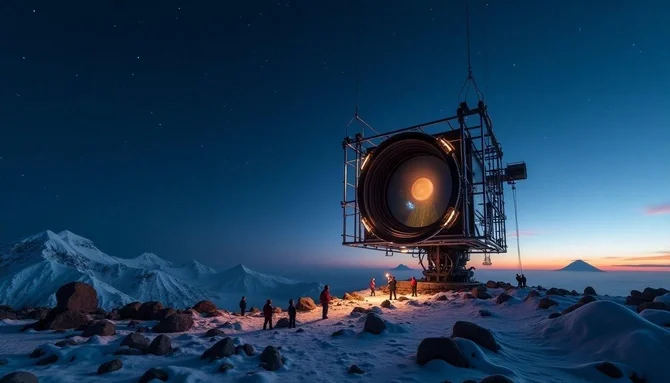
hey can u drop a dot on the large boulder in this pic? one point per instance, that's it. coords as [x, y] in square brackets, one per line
[653, 305]
[101, 328]
[129, 311]
[353, 297]
[221, 349]
[502, 298]
[374, 324]
[475, 333]
[440, 348]
[161, 345]
[77, 296]
[282, 323]
[136, 341]
[111, 366]
[305, 304]
[545, 303]
[271, 359]
[61, 319]
[175, 323]
[205, 307]
[589, 291]
[480, 292]
[150, 311]
[19, 377]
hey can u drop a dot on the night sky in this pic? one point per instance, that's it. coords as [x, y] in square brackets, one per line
[212, 130]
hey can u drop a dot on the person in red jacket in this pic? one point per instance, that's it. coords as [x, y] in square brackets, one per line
[267, 313]
[372, 287]
[325, 300]
[412, 283]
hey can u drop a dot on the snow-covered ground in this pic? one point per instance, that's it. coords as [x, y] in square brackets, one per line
[533, 347]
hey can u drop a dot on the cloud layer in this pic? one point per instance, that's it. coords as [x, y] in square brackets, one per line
[658, 209]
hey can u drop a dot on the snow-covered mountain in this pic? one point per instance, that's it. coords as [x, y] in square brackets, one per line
[32, 269]
[580, 265]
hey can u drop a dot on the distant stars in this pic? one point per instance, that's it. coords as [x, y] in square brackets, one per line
[132, 74]
[114, 25]
[24, 57]
[33, 11]
[513, 65]
[160, 125]
[138, 57]
[202, 146]
[580, 29]
[18, 94]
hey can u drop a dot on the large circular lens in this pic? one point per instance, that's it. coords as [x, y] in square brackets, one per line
[419, 191]
[407, 186]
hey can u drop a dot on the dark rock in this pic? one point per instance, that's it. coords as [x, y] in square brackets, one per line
[374, 324]
[442, 298]
[175, 323]
[48, 360]
[254, 310]
[271, 359]
[305, 304]
[650, 293]
[19, 377]
[143, 329]
[61, 319]
[136, 341]
[164, 313]
[545, 303]
[353, 297]
[221, 349]
[554, 315]
[354, 369]
[555, 291]
[485, 313]
[502, 298]
[635, 300]
[610, 370]
[653, 306]
[339, 333]
[133, 323]
[637, 379]
[66, 342]
[282, 323]
[225, 367]
[465, 296]
[130, 310]
[77, 296]
[114, 315]
[128, 351]
[101, 328]
[475, 333]
[491, 284]
[214, 332]
[3, 361]
[247, 349]
[8, 315]
[300, 330]
[204, 307]
[152, 374]
[496, 379]
[480, 292]
[359, 309]
[37, 353]
[161, 345]
[149, 310]
[112, 365]
[440, 348]
[403, 298]
[586, 299]
[590, 291]
[386, 304]
[532, 294]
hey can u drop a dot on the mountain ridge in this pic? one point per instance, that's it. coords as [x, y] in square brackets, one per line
[34, 267]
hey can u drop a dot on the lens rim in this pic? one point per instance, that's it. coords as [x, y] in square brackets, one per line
[374, 179]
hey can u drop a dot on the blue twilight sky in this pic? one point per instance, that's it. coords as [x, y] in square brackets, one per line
[212, 130]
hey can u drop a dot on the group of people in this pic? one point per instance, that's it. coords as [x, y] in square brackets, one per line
[521, 281]
[268, 309]
[393, 287]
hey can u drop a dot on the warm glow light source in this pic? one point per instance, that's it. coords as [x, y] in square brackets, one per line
[447, 146]
[365, 161]
[365, 224]
[450, 217]
[403, 249]
[422, 189]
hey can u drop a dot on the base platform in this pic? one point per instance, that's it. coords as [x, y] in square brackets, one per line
[404, 287]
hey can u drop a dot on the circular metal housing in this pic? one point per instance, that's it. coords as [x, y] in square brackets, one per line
[409, 188]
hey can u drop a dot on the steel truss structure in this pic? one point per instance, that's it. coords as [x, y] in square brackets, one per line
[482, 186]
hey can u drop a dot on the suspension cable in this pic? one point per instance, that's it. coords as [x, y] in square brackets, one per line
[516, 220]
[470, 78]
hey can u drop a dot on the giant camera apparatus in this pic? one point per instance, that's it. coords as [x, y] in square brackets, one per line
[434, 190]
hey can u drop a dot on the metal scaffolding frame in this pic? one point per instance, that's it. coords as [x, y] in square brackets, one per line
[485, 192]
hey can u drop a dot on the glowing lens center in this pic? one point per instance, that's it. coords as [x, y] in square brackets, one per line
[422, 189]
